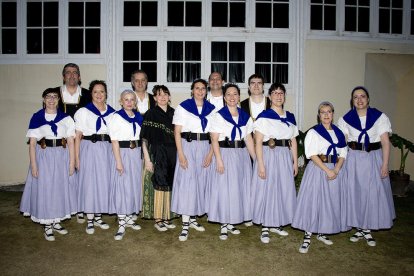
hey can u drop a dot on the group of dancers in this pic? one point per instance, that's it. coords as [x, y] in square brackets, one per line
[234, 162]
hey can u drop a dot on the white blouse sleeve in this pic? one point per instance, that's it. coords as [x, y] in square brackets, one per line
[217, 123]
[115, 127]
[178, 118]
[342, 125]
[311, 143]
[70, 127]
[80, 119]
[384, 124]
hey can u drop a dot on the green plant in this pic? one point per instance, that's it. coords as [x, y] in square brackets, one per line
[405, 147]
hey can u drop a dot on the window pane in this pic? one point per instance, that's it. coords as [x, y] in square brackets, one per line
[330, 18]
[131, 50]
[93, 14]
[412, 21]
[128, 68]
[237, 14]
[220, 67]
[263, 52]
[75, 41]
[384, 21]
[51, 14]
[131, 13]
[174, 72]
[280, 52]
[219, 51]
[50, 41]
[397, 4]
[351, 2]
[363, 20]
[281, 16]
[175, 50]
[151, 69]
[364, 3]
[175, 14]
[8, 14]
[192, 71]
[264, 70]
[350, 19]
[219, 14]
[75, 14]
[236, 72]
[193, 51]
[92, 41]
[34, 14]
[316, 18]
[149, 14]
[193, 14]
[148, 50]
[330, 1]
[280, 73]
[9, 45]
[396, 22]
[34, 41]
[263, 15]
[236, 51]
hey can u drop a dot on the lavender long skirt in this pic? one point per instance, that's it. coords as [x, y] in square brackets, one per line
[189, 186]
[228, 194]
[274, 198]
[46, 199]
[125, 195]
[369, 197]
[321, 208]
[94, 177]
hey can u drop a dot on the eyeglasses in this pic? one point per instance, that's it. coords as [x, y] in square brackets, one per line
[74, 73]
[51, 97]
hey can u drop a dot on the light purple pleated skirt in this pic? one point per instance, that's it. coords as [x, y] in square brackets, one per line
[125, 196]
[94, 177]
[47, 198]
[320, 206]
[228, 194]
[274, 198]
[189, 186]
[369, 197]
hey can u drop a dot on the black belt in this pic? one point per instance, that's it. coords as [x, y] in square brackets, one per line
[361, 146]
[130, 144]
[52, 143]
[97, 137]
[232, 144]
[189, 136]
[326, 158]
[272, 143]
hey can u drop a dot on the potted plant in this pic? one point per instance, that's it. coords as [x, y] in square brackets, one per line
[399, 179]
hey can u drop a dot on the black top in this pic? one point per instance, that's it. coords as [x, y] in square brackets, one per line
[157, 131]
[245, 105]
[70, 108]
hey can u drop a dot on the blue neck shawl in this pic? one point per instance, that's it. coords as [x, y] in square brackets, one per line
[191, 106]
[38, 119]
[242, 120]
[321, 130]
[137, 119]
[91, 107]
[271, 114]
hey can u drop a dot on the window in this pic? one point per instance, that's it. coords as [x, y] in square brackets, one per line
[228, 13]
[323, 15]
[357, 15]
[183, 61]
[412, 17]
[8, 28]
[272, 14]
[229, 58]
[140, 55]
[272, 61]
[140, 13]
[184, 13]
[390, 16]
[42, 28]
[84, 27]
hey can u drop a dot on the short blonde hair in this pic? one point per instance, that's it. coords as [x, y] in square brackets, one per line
[126, 92]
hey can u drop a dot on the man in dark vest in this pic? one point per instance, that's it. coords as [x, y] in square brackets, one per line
[72, 95]
[257, 101]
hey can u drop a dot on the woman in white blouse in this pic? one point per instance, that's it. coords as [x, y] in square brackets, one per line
[191, 119]
[125, 196]
[320, 207]
[92, 155]
[229, 187]
[370, 205]
[273, 186]
[47, 194]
